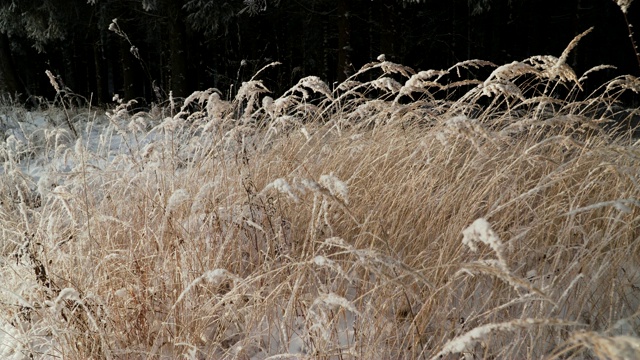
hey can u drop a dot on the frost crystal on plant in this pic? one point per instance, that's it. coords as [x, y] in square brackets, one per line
[624, 5]
[337, 187]
[481, 231]
[282, 186]
[334, 300]
[177, 198]
[199, 203]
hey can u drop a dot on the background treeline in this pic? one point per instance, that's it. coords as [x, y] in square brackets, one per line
[183, 45]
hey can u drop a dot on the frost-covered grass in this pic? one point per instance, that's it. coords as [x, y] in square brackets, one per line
[401, 215]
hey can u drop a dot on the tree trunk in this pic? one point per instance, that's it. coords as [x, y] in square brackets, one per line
[344, 46]
[387, 30]
[101, 88]
[178, 52]
[326, 56]
[9, 82]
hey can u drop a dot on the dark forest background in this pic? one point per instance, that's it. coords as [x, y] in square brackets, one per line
[161, 45]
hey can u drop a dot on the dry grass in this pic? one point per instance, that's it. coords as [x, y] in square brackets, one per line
[416, 215]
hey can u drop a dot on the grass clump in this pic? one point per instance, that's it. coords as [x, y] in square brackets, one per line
[415, 215]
